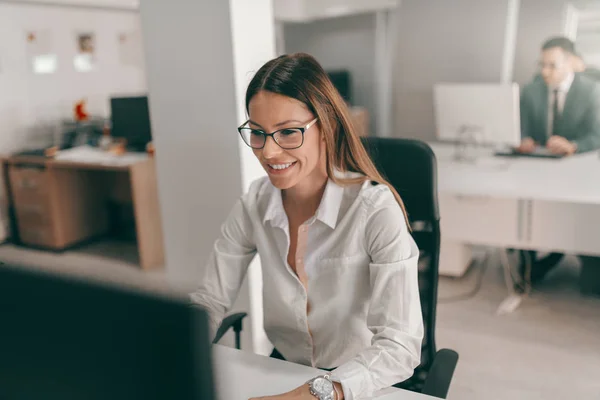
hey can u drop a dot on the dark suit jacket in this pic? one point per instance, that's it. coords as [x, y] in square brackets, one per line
[593, 73]
[580, 120]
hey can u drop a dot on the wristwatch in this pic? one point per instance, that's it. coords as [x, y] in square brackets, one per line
[322, 388]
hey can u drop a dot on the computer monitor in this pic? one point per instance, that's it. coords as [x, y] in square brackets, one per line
[343, 83]
[130, 119]
[68, 339]
[485, 114]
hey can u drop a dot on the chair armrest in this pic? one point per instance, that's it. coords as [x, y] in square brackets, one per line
[231, 321]
[440, 374]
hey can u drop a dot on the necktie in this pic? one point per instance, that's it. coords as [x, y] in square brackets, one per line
[555, 113]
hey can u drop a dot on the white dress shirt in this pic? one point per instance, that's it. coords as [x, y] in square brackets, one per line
[563, 90]
[360, 268]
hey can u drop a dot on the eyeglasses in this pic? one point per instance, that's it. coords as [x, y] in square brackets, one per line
[287, 138]
[550, 65]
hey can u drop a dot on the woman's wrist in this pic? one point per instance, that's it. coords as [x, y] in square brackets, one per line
[339, 391]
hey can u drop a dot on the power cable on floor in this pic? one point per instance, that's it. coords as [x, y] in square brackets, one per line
[476, 289]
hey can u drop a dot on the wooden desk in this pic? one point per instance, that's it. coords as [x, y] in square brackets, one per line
[58, 203]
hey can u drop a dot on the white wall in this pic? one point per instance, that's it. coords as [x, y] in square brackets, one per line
[440, 40]
[341, 43]
[538, 21]
[436, 41]
[28, 100]
[120, 4]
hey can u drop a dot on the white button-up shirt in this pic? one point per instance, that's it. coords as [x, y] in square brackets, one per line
[353, 303]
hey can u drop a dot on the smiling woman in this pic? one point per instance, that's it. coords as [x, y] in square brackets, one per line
[339, 265]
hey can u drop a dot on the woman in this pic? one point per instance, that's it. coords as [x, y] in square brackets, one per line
[339, 265]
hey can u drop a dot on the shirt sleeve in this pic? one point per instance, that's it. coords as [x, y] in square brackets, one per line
[226, 267]
[394, 314]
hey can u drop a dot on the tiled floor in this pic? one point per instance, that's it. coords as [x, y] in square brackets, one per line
[548, 349]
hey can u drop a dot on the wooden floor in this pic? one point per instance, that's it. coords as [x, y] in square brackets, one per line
[549, 349]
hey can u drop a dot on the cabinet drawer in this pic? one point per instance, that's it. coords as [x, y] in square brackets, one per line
[565, 227]
[28, 183]
[33, 213]
[35, 235]
[480, 220]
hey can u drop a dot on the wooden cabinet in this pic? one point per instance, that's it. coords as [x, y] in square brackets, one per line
[57, 204]
[56, 208]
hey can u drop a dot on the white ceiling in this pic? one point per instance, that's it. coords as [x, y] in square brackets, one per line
[125, 4]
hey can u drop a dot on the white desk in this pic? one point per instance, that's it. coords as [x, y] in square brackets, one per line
[241, 375]
[523, 203]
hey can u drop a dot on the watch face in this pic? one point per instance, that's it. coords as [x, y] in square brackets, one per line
[322, 386]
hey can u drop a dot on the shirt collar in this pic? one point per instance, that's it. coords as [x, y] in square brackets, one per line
[275, 212]
[327, 212]
[331, 202]
[565, 85]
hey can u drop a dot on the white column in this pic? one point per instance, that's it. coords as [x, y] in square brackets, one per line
[510, 41]
[385, 33]
[571, 21]
[200, 56]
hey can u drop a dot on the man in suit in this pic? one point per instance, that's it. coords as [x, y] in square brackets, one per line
[561, 111]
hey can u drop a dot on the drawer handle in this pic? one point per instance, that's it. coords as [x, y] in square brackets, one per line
[28, 184]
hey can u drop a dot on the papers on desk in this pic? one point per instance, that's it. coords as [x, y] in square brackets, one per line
[92, 155]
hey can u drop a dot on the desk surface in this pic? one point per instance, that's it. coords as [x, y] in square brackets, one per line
[574, 179]
[84, 157]
[242, 375]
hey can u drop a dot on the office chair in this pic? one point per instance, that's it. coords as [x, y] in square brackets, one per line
[410, 166]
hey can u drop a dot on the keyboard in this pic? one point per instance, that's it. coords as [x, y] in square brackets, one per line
[540, 152]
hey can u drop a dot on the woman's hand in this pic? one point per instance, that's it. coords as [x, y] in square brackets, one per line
[301, 393]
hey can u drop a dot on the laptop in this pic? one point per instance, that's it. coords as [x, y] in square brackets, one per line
[64, 338]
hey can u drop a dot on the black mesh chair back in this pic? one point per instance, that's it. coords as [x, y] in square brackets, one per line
[410, 166]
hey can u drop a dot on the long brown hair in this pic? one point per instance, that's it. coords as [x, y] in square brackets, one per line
[301, 77]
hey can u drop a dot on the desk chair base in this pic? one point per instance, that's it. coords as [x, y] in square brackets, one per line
[231, 321]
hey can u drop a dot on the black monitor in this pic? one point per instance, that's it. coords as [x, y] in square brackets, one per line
[130, 119]
[343, 83]
[68, 339]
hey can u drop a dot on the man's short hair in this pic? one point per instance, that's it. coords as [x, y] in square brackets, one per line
[561, 42]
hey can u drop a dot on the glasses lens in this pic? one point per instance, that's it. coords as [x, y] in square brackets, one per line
[253, 137]
[289, 138]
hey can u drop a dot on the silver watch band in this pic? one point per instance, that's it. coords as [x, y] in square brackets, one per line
[333, 395]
